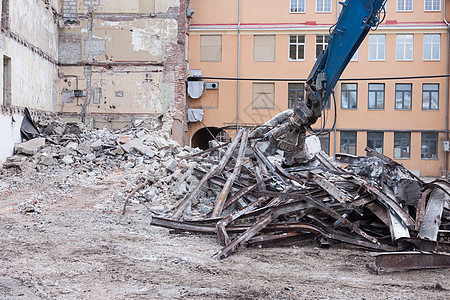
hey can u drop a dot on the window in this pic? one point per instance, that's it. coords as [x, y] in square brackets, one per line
[298, 6]
[5, 14]
[297, 47]
[429, 145]
[402, 142]
[210, 48]
[375, 141]
[223, 137]
[348, 142]
[6, 80]
[432, 5]
[263, 95]
[376, 96]
[321, 43]
[430, 96]
[404, 5]
[405, 47]
[264, 47]
[349, 95]
[377, 44]
[403, 92]
[323, 5]
[295, 93]
[431, 47]
[325, 143]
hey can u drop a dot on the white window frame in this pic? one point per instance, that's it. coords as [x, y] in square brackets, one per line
[323, 6]
[297, 44]
[432, 2]
[404, 9]
[298, 6]
[324, 43]
[400, 42]
[431, 47]
[376, 44]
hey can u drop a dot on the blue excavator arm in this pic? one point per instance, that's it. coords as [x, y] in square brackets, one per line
[356, 19]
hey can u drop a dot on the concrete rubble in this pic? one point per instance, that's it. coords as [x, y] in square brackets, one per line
[141, 153]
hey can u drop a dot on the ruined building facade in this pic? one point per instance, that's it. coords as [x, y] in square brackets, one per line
[103, 61]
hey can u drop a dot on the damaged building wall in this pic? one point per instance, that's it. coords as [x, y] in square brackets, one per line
[28, 47]
[123, 60]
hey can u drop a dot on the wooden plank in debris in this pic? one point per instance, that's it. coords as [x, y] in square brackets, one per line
[421, 207]
[429, 228]
[265, 220]
[217, 212]
[387, 202]
[221, 230]
[402, 261]
[397, 228]
[214, 170]
[331, 189]
[332, 213]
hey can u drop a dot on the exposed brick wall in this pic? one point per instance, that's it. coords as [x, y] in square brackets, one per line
[174, 61]
[69, 48]
[177, 65]
[69, 9]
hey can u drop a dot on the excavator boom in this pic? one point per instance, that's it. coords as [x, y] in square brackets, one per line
[356, 19]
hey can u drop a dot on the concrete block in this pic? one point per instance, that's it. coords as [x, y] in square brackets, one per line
[67, 160]
[30, 147]
[97, 145]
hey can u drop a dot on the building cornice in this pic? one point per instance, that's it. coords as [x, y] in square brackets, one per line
[311, 27]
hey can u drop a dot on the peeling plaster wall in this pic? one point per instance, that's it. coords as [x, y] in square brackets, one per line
[9, 134]
[28, 39]
[128, 57]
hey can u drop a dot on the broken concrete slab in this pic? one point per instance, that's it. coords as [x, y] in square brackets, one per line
[97, 145]
[67, 160]
[30, 147]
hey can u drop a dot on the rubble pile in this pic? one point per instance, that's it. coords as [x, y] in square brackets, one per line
[244, 194]
[142, 155]
[370, 202]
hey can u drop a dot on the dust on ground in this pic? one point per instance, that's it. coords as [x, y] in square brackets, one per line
[75, 244]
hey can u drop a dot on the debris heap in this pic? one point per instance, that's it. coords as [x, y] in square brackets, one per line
[371, 202]
[242, 192]
[141, 155]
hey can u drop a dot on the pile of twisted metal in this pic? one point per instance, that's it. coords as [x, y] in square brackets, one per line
[367, 201]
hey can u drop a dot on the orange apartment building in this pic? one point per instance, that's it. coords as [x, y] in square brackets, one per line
[406, 119]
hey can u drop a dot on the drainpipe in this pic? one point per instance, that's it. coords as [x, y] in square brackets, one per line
[238, 65]
[447, 90]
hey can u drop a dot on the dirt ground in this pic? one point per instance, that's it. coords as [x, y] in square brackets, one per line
[76, 245]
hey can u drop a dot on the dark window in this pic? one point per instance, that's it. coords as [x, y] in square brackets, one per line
[430, 96]
[297, 47]
[376, 95]
[297, 6]
[325, 143]
[5, 14]
[348, 142]
[402, 144]
[429, 145]
[375, 141]
[403, 94]
[349, 95]
[295, 93]
[6, 80]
